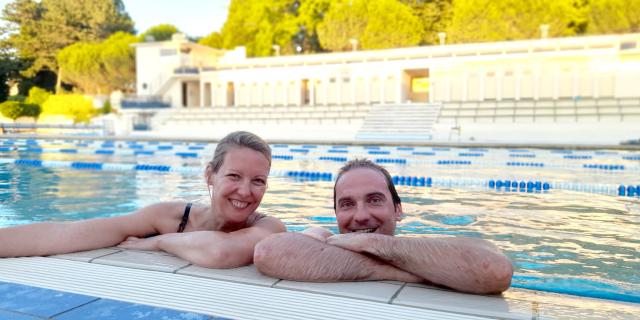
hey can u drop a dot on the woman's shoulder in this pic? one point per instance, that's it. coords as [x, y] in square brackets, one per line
[169, 207]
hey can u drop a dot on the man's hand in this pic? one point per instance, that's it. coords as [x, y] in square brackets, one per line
[359, 242]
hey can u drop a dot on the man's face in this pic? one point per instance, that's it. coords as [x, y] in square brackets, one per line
[364, 203]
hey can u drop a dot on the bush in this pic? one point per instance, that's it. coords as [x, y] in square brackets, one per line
[37, 96]
[18, 98]
[77, 107]
[106, 107]
[16, 109]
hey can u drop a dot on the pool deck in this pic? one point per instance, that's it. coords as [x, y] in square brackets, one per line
[162, 280]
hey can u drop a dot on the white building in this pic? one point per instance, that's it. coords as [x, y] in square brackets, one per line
[550, 90]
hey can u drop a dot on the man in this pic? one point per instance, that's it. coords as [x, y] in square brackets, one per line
[367, 207]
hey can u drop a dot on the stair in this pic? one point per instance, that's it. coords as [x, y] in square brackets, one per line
[405, 122]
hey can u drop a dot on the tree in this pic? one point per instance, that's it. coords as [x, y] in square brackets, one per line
[39, 29]
[213, 40]
[258, 25]
[80, 66]
[434, 17]
[499, 20]
[614, 16]
[118, 61]
[100, 67]
[161, 32]
[309, 14]
[375, 24]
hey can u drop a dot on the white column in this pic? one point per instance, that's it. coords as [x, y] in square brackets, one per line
[449, 93]
[273, 93]
[536, 83]
[576, 83]
[556, 82]
[499, 75]
[383, 82]
[201, 84]
[325, 99]
[367, 89]
[518, 83]
[399, 80]
[482, 75]
[465, 86]
[339, 90]
[354, 85]
[596, 86]
[312, 92]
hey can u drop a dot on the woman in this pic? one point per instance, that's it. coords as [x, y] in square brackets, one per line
[221, 235]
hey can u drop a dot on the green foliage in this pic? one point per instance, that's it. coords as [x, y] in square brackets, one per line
[37, 96]
[213, 40]
[161, 32]
[106, 107]
[375, 24]
[100, 67]
[614, 16]
[498, 20]
[434, 16]
[17, 109]
[39, 29]
[258, 25]
[76, 106]
[118, 61]
[19, 98]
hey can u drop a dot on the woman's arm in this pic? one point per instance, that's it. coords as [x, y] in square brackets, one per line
[211, 249]
[47, 238]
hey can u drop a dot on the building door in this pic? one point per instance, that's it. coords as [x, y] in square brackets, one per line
[231, 94]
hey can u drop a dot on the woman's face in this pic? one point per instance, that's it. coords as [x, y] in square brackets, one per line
[239, 184]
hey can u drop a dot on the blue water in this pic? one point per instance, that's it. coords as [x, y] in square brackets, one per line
[563, 241]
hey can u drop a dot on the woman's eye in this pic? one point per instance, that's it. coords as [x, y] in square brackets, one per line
[259, 182]
[233, 176]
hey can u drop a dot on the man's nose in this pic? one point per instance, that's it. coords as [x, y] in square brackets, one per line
[362, 214]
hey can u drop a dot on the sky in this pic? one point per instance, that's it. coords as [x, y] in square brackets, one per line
[196, 18]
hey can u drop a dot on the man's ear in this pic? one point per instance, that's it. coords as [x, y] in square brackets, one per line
[398, 212]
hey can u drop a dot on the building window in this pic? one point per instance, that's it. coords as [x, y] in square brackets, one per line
[168, 52]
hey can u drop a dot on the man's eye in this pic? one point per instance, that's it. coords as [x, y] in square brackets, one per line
[259, 182]
[345, 205]
[233, 176]
[375, 201]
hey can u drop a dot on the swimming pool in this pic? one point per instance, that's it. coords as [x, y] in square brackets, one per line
[558, 214]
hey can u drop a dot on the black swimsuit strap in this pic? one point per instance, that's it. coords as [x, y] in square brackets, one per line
[185, 218]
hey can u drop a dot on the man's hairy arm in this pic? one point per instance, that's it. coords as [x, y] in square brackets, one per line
[295, 256]
[464, 264]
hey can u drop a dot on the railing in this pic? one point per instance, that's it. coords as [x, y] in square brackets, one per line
[22, 127]
[144, 102]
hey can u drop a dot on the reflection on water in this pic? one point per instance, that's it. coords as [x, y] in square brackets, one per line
[559, 241]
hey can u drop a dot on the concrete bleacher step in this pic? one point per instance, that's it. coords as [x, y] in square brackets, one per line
[405, 122]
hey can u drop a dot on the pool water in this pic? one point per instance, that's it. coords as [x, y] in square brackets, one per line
[560, 240]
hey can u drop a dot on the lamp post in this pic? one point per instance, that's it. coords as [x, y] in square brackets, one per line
[544, 31]
[443, 37]
[354, 44]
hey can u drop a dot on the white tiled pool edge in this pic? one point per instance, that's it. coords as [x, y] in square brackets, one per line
[162, 280]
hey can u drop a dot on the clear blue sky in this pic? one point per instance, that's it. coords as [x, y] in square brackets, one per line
[196, 18]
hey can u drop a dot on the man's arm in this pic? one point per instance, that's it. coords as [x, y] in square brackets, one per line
[464, 264]
[295, 256]
[211, 249]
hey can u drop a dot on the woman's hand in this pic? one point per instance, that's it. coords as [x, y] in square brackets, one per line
[136, 243]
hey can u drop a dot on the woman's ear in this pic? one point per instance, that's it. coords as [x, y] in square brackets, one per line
[208, 175]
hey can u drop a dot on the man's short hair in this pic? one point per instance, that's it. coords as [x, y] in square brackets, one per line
[366, 163]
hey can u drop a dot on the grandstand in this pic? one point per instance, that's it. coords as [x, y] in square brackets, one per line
[570, 90]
